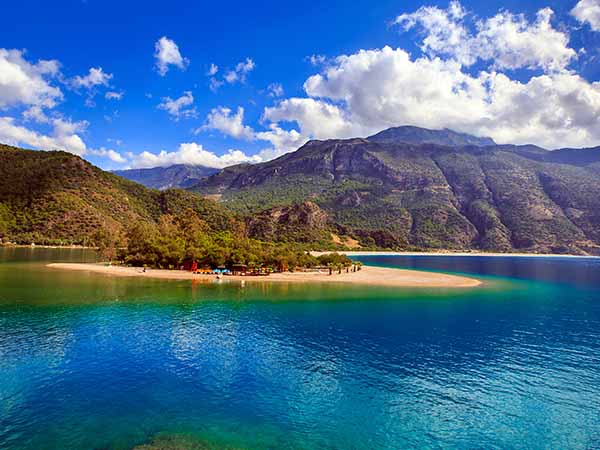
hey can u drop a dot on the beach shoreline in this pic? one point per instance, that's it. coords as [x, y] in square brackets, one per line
[369, 275]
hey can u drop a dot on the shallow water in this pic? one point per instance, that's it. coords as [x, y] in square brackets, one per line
[93, 362]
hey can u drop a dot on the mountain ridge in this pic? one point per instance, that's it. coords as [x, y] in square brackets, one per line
[417, 135]
[174, 176]
[497, 198]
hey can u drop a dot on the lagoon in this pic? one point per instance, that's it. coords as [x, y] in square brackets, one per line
[93, 362]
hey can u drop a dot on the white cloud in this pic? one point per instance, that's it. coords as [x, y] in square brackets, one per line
[316, 60]
[236, 75]
[25, 83]
[166, 53]
[117, 142]
[215, 84]
[213, 69]
[371, 90]
[229, 123]
[242, 69]
[191, 153]
[111, 154]
[95, 77]
[509, 40]
[64, 135]
[113, 95]
[588, 11]
[275, 90]
[36, 114]
[316, 118]
[180, 108]
[232, 124]
[282, 141]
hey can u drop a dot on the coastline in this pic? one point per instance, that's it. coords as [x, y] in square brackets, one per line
[369, 275]
[450, 253]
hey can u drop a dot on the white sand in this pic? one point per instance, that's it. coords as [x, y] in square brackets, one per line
[374, 276]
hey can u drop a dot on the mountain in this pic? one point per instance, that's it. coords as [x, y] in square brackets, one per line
[176, 176]
[303, 222]
[58, 198]
[391, 193]
[416, 135]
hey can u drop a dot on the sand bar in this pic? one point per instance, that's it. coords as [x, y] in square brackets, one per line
[374, 276]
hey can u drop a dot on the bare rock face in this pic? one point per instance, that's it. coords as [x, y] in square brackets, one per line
[304, 222]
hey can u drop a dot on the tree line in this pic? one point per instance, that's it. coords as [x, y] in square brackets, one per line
[186, 237]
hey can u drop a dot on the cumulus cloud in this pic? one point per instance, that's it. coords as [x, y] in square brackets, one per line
[215, 84]
[166, 53]
[194, 154]
[232, 124]
[282, 141]
[509, 40]
[229, 123]
[111, 154]
[236, 75]
[275, 90]
[36, 113]
[370, 90]
[316, 118]
[26, 83]
[383, 88]
[212, 70]
[113, 95]
[241, 70]
[588, 11]
[64, 135]
[316, 60]
[180, 108]
[95, 77]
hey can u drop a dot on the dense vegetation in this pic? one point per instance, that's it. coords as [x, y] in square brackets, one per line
[58, 198]
[187, 237]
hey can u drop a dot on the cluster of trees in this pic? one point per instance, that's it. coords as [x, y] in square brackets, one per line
[184, 237]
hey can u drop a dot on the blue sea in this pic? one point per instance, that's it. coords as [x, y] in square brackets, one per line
[93, 362]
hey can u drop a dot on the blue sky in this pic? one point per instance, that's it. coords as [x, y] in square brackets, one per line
[519, 71]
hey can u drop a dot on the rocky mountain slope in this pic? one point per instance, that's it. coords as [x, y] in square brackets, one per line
[416, 135]
[386, 191]
[176, 176]
[302, 222]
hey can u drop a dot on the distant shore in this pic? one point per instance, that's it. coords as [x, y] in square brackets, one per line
[373, 276]
[449, 253]
[68, 247]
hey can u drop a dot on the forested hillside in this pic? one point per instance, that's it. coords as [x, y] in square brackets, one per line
[58, 198]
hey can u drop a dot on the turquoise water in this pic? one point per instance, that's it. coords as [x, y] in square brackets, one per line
[94, 362]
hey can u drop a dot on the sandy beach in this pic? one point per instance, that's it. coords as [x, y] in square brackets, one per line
[374, 276]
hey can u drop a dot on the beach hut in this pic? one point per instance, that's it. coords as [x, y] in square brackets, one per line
[190, 265]
[239, 269]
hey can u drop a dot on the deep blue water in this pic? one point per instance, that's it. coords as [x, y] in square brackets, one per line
[92, 362]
